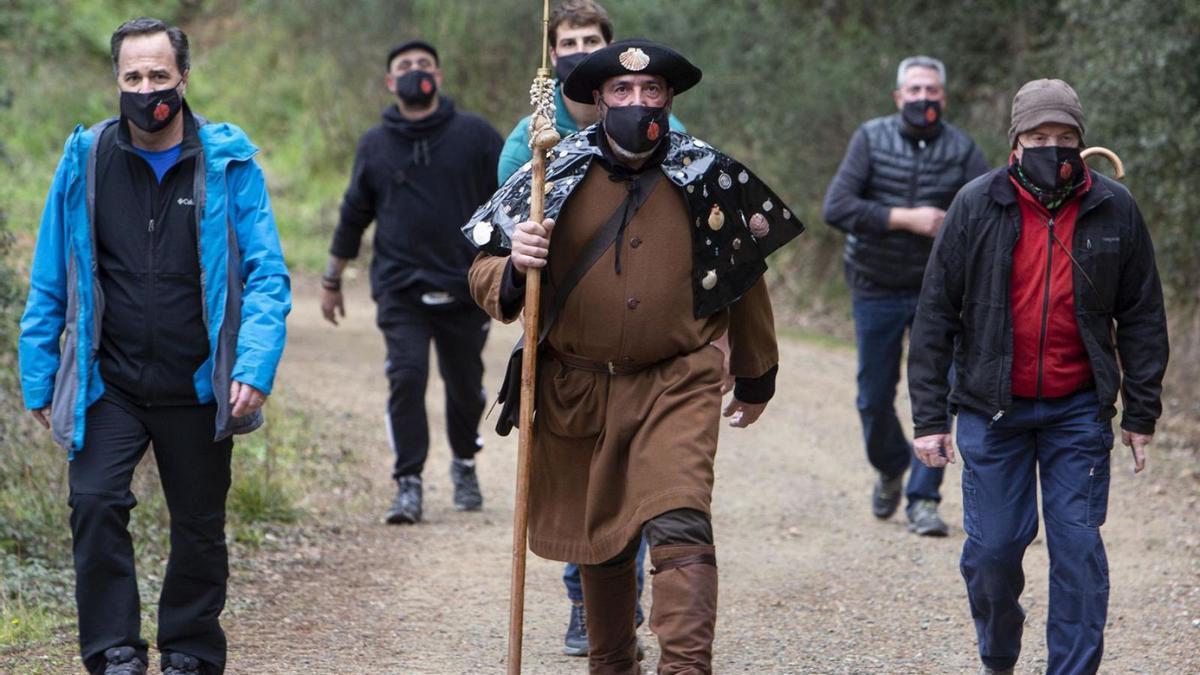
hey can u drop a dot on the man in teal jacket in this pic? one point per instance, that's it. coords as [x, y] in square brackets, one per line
[158, 265]
[576, 28]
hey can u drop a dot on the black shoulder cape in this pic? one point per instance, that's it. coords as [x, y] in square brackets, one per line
[721, 195]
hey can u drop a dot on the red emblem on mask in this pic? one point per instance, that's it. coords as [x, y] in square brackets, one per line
[426, 87]
[652, 131]
[1065, 170]
[161, 111]
[931, 115]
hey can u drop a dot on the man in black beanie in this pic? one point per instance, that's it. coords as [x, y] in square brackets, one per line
[420, 174]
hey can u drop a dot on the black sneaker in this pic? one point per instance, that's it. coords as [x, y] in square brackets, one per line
[885, 499]
[123, 661]
[923, 519]
[406, 507]
[575, 643]
[180, 664]
[467, 496]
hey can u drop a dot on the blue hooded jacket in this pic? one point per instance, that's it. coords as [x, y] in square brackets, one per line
[244, 283]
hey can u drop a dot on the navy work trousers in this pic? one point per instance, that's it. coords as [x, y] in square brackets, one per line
[1064, 444]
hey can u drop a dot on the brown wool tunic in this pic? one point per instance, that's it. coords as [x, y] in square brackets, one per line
[613, 451]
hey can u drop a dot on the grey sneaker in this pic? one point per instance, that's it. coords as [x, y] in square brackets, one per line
[885, 498]
[180, 664]
[984, 670]
[467, 496]
[406, 507]
[123, 661]
[923, 519]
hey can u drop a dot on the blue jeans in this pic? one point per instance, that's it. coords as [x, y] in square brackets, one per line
[879, 326]
[1062, 442]
[575, 589]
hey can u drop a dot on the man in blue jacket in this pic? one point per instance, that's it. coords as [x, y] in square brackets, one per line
[159, 265]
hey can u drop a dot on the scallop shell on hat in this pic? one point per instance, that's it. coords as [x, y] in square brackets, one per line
[634, 59]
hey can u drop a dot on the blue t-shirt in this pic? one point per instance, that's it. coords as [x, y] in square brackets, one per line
[162, 160]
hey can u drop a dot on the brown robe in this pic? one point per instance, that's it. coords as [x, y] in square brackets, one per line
[613, 451]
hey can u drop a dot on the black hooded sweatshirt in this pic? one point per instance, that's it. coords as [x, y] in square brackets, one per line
[421, 180]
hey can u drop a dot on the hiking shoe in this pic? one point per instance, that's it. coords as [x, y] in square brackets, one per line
[885, 498]
[923, 519]
[467, 496]
[575, 642]
[180, 664]
[123, 661]
[406, 507]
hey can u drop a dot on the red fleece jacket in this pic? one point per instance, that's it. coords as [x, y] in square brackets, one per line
[1049, 359]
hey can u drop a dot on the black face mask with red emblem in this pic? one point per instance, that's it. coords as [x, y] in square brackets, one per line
[923, 117]
[637, 128]
[1051, 173]
[416, 87]
[152, 111]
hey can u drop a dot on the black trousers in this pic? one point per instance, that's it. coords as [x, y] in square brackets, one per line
[459, 330]
[195, 475]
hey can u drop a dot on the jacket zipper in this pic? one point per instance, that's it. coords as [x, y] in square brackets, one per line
[914, 178]
[147, 378]
[1045, 304]
[1006, 262]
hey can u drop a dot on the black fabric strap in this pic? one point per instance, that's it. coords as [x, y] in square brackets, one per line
[684, 561]
[639, 192]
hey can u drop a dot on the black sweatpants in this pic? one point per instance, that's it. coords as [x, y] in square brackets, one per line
[195, 474]
[459, 330]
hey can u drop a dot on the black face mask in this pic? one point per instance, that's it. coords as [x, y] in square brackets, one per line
[637, 128]
[1052, 169]
[416, 87]
[151, 112]
[922, 114]
[566, 64]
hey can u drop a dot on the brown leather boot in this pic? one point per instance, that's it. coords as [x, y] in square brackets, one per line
[684, 610]
[609, 598]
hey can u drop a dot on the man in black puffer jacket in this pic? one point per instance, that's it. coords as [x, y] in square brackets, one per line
[889, 196]
[420, 174]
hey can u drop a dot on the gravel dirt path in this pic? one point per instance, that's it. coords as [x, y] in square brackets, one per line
[810, 581]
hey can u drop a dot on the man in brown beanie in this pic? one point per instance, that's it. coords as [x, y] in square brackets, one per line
[1042, 277]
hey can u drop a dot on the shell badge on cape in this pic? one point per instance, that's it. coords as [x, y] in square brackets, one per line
[634, 59]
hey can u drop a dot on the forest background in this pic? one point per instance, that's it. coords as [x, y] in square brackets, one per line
[785, 84]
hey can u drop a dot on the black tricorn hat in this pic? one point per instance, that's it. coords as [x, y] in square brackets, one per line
[641, 57]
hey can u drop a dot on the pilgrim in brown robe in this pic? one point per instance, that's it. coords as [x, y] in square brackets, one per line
[612, 451]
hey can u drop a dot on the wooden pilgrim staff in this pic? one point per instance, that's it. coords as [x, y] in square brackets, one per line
[542, 137]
